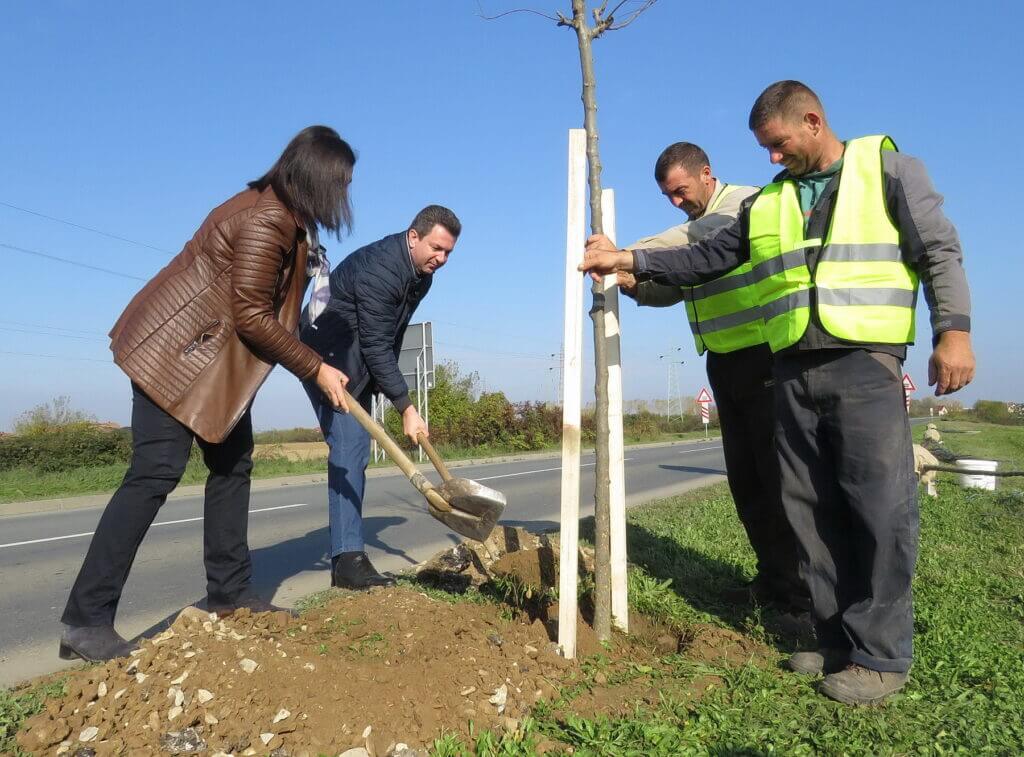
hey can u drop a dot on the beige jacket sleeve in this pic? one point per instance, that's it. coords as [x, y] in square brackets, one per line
[650, 294]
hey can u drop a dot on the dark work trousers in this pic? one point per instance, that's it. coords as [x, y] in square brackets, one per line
[743, 387]
[849, 491]
[160, 452]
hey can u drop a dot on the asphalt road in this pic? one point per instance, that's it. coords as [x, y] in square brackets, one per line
[40, 554]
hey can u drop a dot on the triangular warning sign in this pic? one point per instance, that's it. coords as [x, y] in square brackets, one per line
[908, 383]
[704, 396]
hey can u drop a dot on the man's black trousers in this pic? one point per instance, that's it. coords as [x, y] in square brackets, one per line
[743, 387]
[849, 491]
[161, 448]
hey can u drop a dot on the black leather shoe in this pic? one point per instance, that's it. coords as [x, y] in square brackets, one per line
[761, 592]
[253, 604]
[752, 592]
[353, 570]
[93, 644]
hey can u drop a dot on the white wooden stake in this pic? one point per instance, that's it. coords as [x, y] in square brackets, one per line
[616, 449]
[572, 386]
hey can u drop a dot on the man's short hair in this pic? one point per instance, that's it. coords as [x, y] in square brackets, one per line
[685, 154]
[788, 100]
[436, 215]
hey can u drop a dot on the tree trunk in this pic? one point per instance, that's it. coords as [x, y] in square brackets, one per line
[602, 513]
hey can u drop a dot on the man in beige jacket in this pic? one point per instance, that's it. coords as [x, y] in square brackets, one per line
[726, 324]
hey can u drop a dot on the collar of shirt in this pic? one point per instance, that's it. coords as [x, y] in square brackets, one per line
[719, 186]
[811, 186]
[408, 253]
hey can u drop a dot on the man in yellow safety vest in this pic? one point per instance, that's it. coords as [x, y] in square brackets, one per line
[726, 324]
[837, 245]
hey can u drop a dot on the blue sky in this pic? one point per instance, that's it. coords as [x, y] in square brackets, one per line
[138, 118]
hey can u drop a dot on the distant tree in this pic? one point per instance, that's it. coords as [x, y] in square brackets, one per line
[51, 416]
[992, 411]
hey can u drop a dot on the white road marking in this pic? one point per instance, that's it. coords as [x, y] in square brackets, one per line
[161, 523]
[287, 507]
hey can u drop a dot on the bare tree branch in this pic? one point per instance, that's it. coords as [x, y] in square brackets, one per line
[630, 18]
[616, 8]
[559, 18]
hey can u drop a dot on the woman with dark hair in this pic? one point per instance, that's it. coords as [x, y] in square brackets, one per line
[197, 342]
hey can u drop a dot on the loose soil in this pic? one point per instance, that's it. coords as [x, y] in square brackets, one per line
[372, 670]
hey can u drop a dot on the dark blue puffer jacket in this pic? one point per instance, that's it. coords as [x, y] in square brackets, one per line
[374, 293]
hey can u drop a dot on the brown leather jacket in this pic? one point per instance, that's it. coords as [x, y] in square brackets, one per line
[202, 336]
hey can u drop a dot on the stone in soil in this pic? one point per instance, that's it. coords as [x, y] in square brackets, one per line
[391, 663]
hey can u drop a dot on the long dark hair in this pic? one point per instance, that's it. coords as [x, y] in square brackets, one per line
[312, 176]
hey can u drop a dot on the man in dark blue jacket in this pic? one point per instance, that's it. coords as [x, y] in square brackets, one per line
[373, 295]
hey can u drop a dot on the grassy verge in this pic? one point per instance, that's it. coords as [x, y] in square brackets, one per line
[16, 706]
[981, 440]
[23, 484]
[967, 687]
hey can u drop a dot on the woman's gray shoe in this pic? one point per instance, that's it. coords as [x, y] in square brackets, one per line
[818, 662]
[93, 644]
[859, 685]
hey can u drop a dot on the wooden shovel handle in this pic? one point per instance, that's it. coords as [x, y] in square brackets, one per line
[406, 465]
[434, 457]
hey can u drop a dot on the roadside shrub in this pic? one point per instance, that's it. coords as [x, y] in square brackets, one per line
[990, 411]
[71, 446]
[642, 426]
[538, 424]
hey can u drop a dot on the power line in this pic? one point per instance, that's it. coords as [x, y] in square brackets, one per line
[86, 228]
[49, 333]
[52, 328]
[58, 357]
[70, 262]
[496, 352]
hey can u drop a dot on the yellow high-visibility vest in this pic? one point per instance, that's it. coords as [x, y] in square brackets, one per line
[724, 314]
[862, 290]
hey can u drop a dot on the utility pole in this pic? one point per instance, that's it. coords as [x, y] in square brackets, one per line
[673, 383]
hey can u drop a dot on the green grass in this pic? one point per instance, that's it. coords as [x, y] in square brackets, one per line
[966, 693]
[16, 706]
[24, 484]
[987, 441]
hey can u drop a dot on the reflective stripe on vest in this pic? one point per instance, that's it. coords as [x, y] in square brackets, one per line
[864, 292]
[724, 314]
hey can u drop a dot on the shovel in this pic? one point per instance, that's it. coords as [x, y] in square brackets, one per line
[466, 507]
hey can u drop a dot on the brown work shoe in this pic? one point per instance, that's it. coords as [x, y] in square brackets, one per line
[859, 685]
[818, 662]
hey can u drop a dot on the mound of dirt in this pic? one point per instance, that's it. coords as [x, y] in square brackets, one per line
[369, 670]
[381, 673]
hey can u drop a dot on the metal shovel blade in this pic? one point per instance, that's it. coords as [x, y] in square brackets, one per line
[475, 508]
